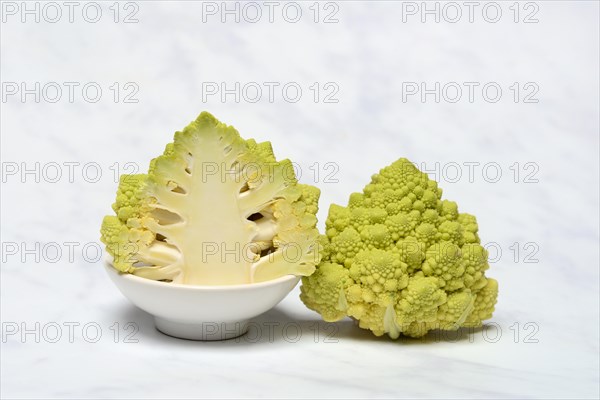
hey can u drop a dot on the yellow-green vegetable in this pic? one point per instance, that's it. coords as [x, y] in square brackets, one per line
[214, 209]
[399, 259]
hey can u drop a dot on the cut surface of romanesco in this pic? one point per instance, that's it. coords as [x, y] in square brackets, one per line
[213, 209]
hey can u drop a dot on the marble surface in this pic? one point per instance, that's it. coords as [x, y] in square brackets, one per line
[543, 339]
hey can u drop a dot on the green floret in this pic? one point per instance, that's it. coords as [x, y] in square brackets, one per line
[376, 236]
[411, 252]
[362, 216]
[448, 210]
[115, 235]
[443, 260]
[356, 200]
[130, 196]
[325, 291]
[379, 274]
[345, 246]
[125, 242]
[470, 228]
[400, 260]
[430, 216]
[419, 302]
[427, 234]
[214, 209]
[485, 301]
[453, 313]
[402, 224]
[338, 220]
[263, 150]
[475, 261]
[451, 231]
[370, 316]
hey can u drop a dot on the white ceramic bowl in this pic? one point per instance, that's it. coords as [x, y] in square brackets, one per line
[202, 312]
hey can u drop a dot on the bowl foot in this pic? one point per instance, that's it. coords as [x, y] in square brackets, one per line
[202, 331]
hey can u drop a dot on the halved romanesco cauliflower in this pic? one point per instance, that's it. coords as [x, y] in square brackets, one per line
[213, 209]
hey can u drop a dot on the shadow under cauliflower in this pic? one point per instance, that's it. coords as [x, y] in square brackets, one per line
[399, 259]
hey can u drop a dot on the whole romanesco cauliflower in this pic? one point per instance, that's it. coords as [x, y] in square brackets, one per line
[213, 209]
[399, 259]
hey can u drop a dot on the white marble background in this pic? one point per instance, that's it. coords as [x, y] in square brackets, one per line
[169, 53]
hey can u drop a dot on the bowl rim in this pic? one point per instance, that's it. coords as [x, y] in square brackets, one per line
[242, 286]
